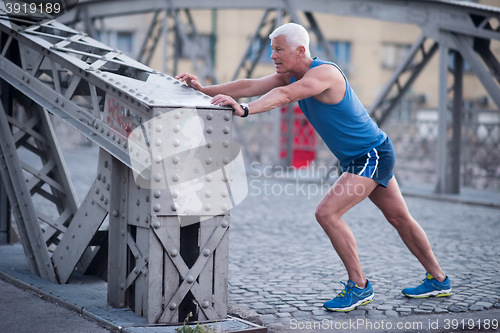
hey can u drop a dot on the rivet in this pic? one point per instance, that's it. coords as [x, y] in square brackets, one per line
[99, 177]
[209, 129]
[157, 194]
[205, 304]
[108, 187]
[175, 194]
[224, 178]
[159, 128]
[225, 160]
[224, 194]
[138, 203]
[208, 194]
[174, 253]
[172, 306]
[115, 213]
[224, 224]
[207, 207]
[190, 279]
[208, 160]
[210, 116]
[208, 178]
[176, 143]
[97, 190]
[123, 215]
[177, 115]
[147, 198]
[226, 144]
[174, 207]
[226, 130]
[177, 128]
[157, 208]
[158, 142]
[157, 177]
[137, 218]
[104, 179]
[101, 197]
[124, 232]
[156, 224]
[175, 177]
[135, 269]
[175, 160]
[227, 117]
[224, 208]
[106, 201]
[157, 158]
[206, 252]
[209, 144]
[122, 286]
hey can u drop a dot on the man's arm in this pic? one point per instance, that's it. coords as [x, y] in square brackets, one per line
[239, 88]
[323, 81]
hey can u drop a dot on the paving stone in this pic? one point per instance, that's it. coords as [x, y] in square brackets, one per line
[457, 308]
[283, 315]
[497, 305]
[421, 311]
[391, 314]
[385, 307]
[476, 307]
[484, 304]
[440, 310]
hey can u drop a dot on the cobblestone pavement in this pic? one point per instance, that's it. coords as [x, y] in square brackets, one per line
[283, 266]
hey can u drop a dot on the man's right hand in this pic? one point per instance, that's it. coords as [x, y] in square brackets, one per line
[190, 80]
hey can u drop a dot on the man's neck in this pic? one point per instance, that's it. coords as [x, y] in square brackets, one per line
[301, 68]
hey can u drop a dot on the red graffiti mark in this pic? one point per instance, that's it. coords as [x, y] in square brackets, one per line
[117, 118]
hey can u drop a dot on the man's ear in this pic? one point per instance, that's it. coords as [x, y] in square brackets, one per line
[302, 50]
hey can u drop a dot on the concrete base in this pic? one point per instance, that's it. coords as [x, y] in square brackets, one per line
[87, 296]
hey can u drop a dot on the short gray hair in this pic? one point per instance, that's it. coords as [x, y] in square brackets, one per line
[295, 34]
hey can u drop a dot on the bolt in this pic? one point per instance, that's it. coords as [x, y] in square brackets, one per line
[157, 208]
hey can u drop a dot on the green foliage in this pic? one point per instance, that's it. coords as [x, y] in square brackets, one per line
[197, 329]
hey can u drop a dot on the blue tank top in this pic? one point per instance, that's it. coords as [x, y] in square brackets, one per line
[345, 127]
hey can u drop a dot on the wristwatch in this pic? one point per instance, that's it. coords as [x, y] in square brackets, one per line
[244, 106]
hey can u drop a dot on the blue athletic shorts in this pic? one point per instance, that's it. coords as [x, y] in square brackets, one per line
[377, 164]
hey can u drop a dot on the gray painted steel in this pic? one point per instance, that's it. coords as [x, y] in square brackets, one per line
[144, 122]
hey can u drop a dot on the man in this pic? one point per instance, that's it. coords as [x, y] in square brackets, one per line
[365, 153]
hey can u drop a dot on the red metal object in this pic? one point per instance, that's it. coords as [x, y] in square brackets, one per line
[304, 138]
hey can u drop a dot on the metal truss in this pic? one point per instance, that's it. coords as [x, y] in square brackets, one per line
[49, 68]
[397, 87]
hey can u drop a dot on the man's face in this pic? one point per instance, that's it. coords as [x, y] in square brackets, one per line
[283, 56]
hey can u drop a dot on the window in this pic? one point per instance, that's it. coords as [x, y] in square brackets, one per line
[341, 50]
[393, 54]
[206, 44]
[121, 40]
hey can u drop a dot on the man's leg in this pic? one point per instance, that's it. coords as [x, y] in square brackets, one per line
[347, 191]
[390, 201]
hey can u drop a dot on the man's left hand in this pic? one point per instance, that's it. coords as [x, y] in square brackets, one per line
[224, 100]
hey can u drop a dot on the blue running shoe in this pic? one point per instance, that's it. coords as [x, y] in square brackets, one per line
[351, 297]
[429, 287]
